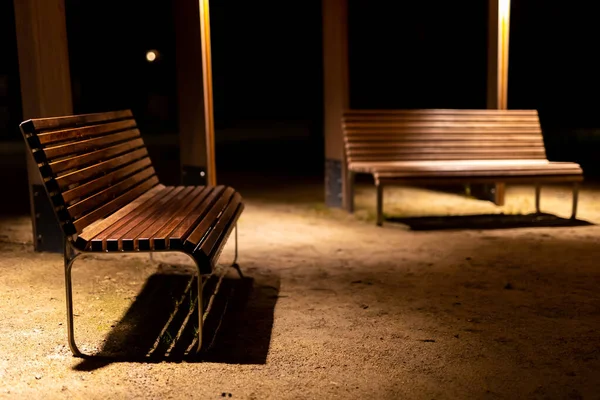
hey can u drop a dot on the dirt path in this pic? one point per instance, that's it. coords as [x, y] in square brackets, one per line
[339, 308]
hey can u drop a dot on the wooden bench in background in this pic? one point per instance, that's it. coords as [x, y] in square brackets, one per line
[107, 197]
[421, 147]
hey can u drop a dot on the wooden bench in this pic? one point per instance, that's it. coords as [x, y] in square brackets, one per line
[107, 197]
[421, 147]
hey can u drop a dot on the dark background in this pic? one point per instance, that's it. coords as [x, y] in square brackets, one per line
[267, 65]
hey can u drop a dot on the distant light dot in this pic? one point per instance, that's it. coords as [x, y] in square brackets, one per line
[151, 56]
[202, 173]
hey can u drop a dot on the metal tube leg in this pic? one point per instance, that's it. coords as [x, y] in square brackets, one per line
[538, 190]
[575, 200]
[70, 257]
[350, 192]
[379, 204]
[234, 264]
[200, 312]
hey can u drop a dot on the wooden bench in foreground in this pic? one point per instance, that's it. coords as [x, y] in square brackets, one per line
[107, 197]
[421, 147]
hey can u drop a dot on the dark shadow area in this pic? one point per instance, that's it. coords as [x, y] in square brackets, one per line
[162, 322]
[487, 221]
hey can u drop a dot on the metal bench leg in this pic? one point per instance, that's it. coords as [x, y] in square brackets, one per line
[575, 200]
[350, 192]
[234, 264]
[200, 305]
[379, 204]
[70, 255]
[538, 190]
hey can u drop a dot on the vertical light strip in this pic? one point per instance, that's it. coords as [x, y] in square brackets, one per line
[503, 39]
[208, 92]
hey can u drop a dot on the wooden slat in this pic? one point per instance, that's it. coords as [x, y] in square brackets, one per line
[442, 111]
[160, 241]
[416, 144]
[96, 200]
[85, 132]
[74, 120]
[115, 204]
[129, 221]
[145, 239]
[97, 169]
[466, 125]
[95, 156]
[440, 136]
[208, 221]
[84, 146]
[467, 151]
[101, 225]
[104, 181]
[366, 131]
[126, 241]
[183, 230]
[208, 244]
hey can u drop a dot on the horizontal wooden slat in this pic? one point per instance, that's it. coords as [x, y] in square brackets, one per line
[208, 220]
[104, 181]
[83, 119]
[97, 169]
[183, 230]
[130, 209]
[109, 193]
[416, 144]
[212, 237]
[414, 125]
[440, 137]
[441, 111]
[130, 221]
[95, 156]
[150, 227]
[160, 241]
[84, 146]
[85, 132]
[115, 204]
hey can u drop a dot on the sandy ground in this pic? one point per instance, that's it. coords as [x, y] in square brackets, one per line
[331, 307]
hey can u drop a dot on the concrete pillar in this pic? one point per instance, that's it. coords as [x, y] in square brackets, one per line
[497, 87]
[336, 97]
[45, 92]
[190, 94]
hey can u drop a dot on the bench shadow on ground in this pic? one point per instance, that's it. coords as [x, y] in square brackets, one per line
[161, 324]
[487, 221]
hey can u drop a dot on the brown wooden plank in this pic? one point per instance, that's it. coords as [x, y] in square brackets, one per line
[440, 137]
[95, 156]
[443, 143]
[220, 228]
[190, 222]
[405, 125]
[85, 146]
[208, 221]
[115, 204]
[527, 179]
[82, 119]
[441, 111]
[85, 132]
[89, 204]
[100, 168]
[100, 225]
[160, 241]
[400, 151]
[129, 221]
[163, 210]
[145, 239]
[104, 181]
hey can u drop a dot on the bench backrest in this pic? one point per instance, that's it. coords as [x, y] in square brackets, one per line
[91, 164]
[427, 135]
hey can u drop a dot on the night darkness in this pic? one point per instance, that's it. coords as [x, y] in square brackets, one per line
[267, 63]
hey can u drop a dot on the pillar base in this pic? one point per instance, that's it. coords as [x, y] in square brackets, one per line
[333, 183]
